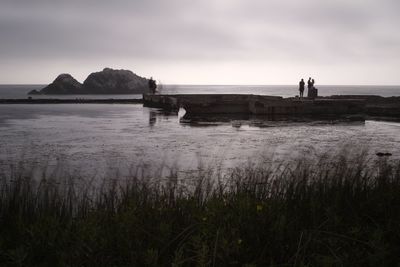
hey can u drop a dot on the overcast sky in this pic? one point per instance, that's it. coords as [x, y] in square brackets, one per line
[203, 41]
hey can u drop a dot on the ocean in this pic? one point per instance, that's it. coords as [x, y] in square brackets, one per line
[96, 139]
[21, 91]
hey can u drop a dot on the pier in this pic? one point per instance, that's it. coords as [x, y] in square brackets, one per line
[208, 104]
[70, 101]
[376, 107]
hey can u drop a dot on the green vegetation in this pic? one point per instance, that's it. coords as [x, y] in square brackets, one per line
[335, 211]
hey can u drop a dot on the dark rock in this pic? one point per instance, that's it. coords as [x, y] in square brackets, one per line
[380, 154]
[107, 81]
[63, 84]
[34, 92]
[110, 81]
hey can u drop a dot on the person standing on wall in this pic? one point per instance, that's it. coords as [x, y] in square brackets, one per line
[301, 87]
[309, 87]
[152, 86]
[314, 90]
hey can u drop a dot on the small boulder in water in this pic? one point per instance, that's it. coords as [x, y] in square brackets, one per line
[380, 154]
[34, 92]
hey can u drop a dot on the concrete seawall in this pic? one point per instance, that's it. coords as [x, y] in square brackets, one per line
[256, 104]
[307, 106]
[246, 104]
[70, 101]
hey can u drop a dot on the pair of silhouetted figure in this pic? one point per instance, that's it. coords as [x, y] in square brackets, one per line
[312, 91]
[310, 83]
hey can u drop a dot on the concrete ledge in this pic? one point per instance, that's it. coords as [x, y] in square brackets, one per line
[70, 101]
[255, 104]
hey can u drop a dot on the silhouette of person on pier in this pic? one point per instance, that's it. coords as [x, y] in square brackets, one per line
[301, 87]
[152, 85]
[312, 91]
[309, 87]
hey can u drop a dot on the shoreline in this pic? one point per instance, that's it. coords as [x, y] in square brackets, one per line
[213, 104]
[256, 215]
[376, 107]
[70, 101]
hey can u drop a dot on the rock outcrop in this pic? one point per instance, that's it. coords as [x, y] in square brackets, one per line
[63, 84]
[34, 92]
[111, 81]
[108, 81]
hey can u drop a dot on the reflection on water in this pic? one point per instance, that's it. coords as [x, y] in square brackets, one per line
[161, 114]
[152, 117]
[94, 138]
[237, 120]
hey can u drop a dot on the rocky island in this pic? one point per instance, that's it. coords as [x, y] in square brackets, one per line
[107, 81]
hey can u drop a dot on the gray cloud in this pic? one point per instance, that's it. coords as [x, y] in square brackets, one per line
[307, 32]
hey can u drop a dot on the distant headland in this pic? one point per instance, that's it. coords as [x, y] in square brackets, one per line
[107, 81]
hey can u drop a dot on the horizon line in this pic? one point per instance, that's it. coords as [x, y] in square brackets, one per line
[192, 84]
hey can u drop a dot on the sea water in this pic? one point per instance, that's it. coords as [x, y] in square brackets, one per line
[93, 139]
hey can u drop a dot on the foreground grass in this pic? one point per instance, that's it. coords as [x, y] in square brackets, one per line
[332, 212]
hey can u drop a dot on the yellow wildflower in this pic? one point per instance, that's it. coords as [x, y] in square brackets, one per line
[259, 207]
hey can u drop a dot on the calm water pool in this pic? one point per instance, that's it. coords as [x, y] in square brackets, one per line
[98, 137]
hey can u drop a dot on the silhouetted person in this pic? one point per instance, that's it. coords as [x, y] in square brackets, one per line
[152, 86]
[314, 90]
[309, 87]
[301, 87]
